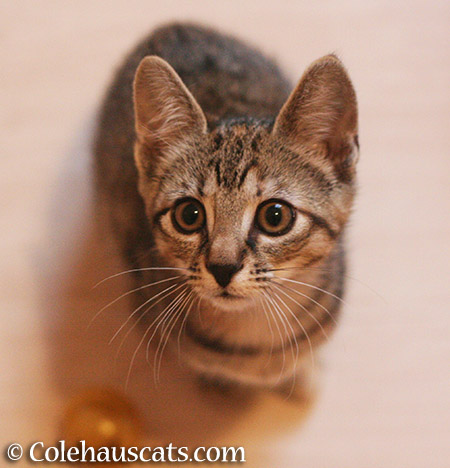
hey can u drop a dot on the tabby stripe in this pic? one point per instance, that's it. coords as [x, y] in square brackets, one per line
[251, 164]
[159, 215]
[298, 243]
[312, 171]
[218, 346]
[319, 221]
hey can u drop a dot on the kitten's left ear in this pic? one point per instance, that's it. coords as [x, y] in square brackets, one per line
[165, 110]
[321, 113]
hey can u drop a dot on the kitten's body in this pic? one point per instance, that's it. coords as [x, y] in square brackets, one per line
[241, 157]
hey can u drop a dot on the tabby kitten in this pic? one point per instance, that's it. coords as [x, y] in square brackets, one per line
[228, 195]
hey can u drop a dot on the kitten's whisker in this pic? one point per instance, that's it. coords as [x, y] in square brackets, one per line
[183, 323]
[216, 315]
[164, 323]
[300, 325]
[134, 270]
[303, 307]
[270, 302]
[254, 315]
[143, 339]
[200, 316]
[179, 286]
[301, 283]
[131, 292]
[140, 307]
[168, 327]
[329, 270]
[270, 328]
[306, 336]
[318, 304]
[165, 314]
[270, 311]
[295, 369]
[294, 336]
[174, 322]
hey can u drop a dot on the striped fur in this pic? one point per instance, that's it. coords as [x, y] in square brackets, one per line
[219, 124]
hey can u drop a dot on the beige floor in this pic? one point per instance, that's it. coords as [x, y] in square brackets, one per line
[385, 397]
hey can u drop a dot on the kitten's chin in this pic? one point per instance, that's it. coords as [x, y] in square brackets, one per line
[230, 302]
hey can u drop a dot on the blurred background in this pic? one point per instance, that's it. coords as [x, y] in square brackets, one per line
[384, 400]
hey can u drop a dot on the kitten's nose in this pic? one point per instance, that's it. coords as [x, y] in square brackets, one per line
[223, 272]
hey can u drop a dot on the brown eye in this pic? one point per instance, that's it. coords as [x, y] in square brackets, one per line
[188, 216]
[275, 217]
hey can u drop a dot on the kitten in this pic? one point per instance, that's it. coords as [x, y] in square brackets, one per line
[228, 195]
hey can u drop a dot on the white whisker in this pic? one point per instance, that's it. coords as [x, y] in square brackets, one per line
[131, 292]
[303, 307]
[307, 297]
[294, 336]
[313, 287]
[178, 286]
[270, 302]
[165, 314]
[270, 328]
[183, 323]
[144, 336]
[174, 321]
[307, 337]
[140, 307]
[300, 325]
[134, 270]
[330, 270]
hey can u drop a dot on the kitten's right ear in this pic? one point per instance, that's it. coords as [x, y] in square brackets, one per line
[321, 113]
[166, 113]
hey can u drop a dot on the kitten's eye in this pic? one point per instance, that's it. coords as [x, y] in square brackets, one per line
[188, 216]
[275, 217]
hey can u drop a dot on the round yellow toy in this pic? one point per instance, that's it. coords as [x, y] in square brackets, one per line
[103, 418]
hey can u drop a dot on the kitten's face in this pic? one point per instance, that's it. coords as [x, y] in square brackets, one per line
[236, 204]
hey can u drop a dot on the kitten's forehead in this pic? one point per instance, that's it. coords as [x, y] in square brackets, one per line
[234, 159]
[227, 161]
[239, 162]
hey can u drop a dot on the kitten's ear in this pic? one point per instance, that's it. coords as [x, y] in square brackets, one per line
[166, 113]
[321, 113]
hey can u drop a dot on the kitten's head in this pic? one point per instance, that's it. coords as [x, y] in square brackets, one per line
[249, 197]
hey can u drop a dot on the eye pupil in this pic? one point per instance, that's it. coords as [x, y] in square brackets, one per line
[190, 214]
[275, 218]
[274, 214]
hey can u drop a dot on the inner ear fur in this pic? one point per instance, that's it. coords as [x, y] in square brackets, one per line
[166, 113]
[321, 112]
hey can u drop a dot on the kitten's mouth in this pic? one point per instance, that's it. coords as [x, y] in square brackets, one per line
[227, 295]
[225, 299]
[230, 301]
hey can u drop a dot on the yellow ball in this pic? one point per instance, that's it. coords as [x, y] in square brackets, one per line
[103, 418]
